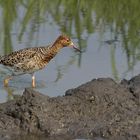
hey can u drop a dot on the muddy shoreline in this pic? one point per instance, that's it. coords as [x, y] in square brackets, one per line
[99, 109]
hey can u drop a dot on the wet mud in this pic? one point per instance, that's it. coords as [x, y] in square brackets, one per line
[100, 109]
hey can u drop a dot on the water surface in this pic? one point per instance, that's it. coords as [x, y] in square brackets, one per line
[108, 33]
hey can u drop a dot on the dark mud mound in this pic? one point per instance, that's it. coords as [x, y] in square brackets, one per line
[100, 108]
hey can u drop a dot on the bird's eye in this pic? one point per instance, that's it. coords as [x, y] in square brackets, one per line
[67, 39]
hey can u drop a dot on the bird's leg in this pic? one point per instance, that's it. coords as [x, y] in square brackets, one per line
[33, 80]
[6, 80]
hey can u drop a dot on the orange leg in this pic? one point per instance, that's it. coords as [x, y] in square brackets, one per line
[33, 81]
[6, 80]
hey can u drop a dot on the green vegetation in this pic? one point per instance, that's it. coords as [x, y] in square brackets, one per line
[75, 17]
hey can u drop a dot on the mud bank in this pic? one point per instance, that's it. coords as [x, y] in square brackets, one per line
[99, 109]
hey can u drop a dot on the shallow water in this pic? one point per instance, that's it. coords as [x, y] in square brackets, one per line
[109, 43]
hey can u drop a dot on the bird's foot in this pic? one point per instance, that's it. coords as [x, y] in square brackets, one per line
[33, 85]
[6, 81]
[33, 82]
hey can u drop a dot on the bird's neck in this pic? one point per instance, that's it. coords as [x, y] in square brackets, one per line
[53, 50]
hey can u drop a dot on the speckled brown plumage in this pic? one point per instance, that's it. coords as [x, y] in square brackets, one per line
[29, 60]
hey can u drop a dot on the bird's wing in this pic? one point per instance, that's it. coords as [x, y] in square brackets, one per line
[18, 56]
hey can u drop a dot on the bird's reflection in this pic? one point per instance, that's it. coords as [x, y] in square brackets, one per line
[11, 93]
[16, 88]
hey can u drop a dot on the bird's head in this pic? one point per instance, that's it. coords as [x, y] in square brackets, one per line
[65, 41]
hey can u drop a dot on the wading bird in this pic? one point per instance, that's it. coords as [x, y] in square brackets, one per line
[30, 60]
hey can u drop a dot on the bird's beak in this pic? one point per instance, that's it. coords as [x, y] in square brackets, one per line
[71, 44]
